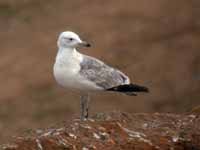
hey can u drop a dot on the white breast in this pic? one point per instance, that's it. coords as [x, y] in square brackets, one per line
[66, 72]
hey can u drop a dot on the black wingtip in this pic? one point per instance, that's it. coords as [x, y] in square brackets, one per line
[126, 88]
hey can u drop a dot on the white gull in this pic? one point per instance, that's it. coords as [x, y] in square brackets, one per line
[86, 74]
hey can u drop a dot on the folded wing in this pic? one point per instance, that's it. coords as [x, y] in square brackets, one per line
[101, 74]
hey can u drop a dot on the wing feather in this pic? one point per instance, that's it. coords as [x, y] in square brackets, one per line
[101, 74]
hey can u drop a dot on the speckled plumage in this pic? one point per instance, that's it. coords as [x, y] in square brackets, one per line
[101, 74]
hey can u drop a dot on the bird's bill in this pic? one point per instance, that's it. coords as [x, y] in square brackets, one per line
[84, 44]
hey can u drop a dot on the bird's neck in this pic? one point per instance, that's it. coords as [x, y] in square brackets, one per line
[67, 54]
[63, 50]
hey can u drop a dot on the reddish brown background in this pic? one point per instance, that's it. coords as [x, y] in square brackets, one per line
[157, 43]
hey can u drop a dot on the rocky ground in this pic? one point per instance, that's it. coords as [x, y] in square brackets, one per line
[117, 130]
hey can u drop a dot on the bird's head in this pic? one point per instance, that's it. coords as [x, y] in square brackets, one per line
[70, 39]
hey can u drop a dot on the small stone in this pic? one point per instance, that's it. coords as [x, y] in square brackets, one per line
[96, 136]
[85, 148]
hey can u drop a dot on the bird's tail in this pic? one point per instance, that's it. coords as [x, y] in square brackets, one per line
[129, 89]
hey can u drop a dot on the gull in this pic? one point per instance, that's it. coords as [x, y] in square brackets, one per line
[86, 74]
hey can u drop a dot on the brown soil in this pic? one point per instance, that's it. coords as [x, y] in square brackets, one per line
[118, 131]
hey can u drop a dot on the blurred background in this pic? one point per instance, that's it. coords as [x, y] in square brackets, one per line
[156, 43]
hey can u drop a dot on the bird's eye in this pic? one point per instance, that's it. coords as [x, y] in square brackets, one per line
[71, 39]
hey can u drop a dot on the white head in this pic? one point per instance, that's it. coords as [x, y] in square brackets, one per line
[70, 39]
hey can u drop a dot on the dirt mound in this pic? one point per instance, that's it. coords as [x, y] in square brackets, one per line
[117, 131]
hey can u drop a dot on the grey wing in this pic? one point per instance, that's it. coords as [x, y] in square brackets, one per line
[101, 74]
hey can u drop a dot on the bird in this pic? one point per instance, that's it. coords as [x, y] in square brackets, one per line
[85, 74]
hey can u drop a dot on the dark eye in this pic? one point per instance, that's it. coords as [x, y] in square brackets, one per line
[71, 39]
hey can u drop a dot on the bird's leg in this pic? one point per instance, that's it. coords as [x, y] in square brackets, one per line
[84, 106]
